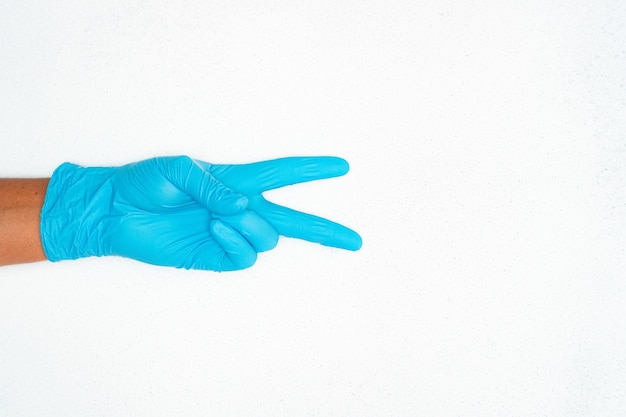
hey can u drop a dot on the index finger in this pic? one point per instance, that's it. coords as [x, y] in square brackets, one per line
[268, 175]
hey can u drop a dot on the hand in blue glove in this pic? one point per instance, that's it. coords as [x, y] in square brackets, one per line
[176, 211]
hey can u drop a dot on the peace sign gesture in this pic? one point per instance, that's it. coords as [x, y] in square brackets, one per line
[181, 212]
[253, 179]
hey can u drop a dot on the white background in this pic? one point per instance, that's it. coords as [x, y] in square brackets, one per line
[487, 146]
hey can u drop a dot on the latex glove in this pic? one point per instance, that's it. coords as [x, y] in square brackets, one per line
[165, 211]
[253, 179]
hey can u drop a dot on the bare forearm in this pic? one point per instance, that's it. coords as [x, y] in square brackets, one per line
[20, 206]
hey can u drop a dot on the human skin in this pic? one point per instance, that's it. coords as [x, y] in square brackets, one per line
[20, 206]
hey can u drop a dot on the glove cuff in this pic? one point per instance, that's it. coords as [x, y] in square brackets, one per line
[77, 201]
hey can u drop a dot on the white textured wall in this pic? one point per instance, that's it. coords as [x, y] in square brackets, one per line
[488, 153]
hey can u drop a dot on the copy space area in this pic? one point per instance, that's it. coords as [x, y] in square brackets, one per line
[488, 180]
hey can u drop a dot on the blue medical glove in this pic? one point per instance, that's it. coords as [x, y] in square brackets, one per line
[175, 211]
[164, 211]
[253, 179]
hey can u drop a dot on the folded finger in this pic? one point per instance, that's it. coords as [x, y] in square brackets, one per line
[238, 252]
[256, 230]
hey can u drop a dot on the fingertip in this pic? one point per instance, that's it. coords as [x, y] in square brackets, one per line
[332, 166]
[342, 166]
[231, 204]
[269, 242]
[356, 243]
[240, 203]
[350, 240]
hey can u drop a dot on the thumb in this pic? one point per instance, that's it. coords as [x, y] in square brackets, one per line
[187, 175]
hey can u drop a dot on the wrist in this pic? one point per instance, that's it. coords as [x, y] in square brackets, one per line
[75, 213]
[20, 206]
